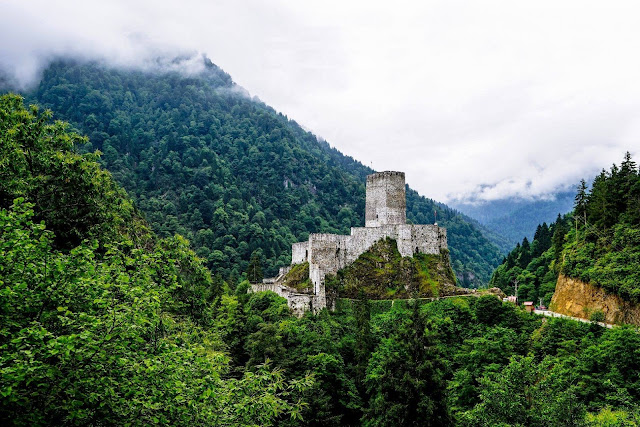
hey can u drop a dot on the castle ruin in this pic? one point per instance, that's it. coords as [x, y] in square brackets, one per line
[385, 216]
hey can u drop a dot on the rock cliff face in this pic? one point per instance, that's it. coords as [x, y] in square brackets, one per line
[576, 298]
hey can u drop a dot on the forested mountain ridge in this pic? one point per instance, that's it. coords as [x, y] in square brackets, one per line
[237, 179]
[598, 243]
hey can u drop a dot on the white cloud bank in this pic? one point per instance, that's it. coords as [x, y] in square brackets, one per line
[480, 100]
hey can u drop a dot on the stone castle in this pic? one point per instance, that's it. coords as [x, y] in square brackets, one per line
[385, 216]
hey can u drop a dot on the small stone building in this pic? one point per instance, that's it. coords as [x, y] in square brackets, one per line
[385, 216]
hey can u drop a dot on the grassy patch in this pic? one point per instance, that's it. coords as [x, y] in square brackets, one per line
[298, 277]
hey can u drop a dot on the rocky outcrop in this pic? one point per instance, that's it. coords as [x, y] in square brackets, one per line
[576, 298]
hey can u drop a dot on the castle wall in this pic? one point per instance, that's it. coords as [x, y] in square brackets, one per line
[424, 239]
[299, 252]
[281, 290]
[328, 253]
[385, 199]
[427, 239]
[299, 303]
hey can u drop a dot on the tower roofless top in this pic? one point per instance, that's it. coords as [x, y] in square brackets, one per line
[382, 174]
[386, 199]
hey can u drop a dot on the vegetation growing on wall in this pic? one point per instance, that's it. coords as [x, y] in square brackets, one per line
[298, 277]
[382, 273]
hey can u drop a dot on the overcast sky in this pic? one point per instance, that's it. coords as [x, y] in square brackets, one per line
[472, 99]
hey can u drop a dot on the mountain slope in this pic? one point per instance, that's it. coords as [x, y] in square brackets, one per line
[202, 159]
[515, 219]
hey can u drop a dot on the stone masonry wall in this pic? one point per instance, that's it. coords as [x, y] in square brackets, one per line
[385, 199]
[329, 253]
[299, 252]
[299, 303]
[427, 239]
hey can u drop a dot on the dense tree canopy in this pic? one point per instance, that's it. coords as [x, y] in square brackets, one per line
[100, 322]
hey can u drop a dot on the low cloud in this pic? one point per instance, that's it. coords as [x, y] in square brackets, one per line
[475, 101]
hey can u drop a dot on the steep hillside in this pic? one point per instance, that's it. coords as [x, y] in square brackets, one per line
[576, 298]
[598, 243]
[237, 179]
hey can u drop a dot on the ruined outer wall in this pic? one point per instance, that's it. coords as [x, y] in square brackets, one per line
[329, 251]
[385, 199]
[327, 254]
[299, 303]
[424, 239]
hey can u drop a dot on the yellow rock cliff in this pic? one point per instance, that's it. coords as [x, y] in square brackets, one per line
[576, 298]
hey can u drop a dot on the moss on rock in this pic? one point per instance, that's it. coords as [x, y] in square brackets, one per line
[382, 273]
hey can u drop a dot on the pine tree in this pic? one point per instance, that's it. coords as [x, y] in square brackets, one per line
[254, 271]
[581, 200]
[559, 232]
[525, 253]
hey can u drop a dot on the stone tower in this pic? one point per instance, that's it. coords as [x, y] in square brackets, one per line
[386, 199]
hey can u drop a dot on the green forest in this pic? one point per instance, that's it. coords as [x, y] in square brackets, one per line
[238, 180]
[104, 322]
[599, 242]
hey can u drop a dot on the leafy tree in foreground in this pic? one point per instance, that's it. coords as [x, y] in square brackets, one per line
[108, 331]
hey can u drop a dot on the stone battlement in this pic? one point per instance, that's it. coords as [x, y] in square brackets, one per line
[385, 216]
[377, 175]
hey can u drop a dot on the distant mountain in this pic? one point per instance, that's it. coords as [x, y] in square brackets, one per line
[203, 159]
[514, 218]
